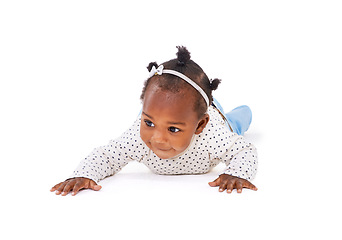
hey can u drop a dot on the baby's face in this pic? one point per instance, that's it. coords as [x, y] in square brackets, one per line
[168, 122]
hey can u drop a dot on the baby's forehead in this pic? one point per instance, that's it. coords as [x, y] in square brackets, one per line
[167, 98]
[179, 88]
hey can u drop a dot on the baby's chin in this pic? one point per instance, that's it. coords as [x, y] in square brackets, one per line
[164, 155]
[169, 154]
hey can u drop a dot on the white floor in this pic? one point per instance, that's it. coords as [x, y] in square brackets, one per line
[71, 73]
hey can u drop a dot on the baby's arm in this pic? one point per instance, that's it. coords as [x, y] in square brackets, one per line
[241, 160]
[100, 163]
[104, 161]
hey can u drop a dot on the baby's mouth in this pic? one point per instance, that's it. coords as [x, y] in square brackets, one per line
[163, 153]
[164, 150]
[160, 147]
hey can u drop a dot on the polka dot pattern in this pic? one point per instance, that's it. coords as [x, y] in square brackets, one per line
[214, 145]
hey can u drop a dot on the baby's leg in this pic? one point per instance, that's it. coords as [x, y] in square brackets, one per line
[239, 119]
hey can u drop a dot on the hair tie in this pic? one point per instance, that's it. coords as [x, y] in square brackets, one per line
[160, 70]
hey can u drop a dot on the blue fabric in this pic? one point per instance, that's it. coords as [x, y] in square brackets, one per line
[239, 119]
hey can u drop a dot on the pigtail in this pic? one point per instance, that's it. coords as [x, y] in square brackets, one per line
[214, 83]
[150, 65]
[183, 56]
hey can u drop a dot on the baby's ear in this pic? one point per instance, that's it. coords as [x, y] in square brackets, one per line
[202, 124]
[150, 65]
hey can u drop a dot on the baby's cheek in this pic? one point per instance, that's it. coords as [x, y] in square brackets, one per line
[182, 143]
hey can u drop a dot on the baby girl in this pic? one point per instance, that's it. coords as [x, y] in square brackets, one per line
[180, 130]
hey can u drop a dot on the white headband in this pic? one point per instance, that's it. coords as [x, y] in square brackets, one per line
[160, 70]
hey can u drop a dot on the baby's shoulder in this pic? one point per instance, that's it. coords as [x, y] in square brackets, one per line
[215, 118]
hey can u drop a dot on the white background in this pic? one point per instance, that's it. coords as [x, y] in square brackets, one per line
[71, 74]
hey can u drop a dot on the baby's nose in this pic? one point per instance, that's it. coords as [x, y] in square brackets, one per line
[159, 137]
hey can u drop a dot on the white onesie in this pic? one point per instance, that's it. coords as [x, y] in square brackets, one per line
[215, 144]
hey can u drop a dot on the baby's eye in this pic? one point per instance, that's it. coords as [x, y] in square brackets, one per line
[174, 129]
[149, 123]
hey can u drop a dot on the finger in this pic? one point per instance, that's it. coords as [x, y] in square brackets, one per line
[247, 184]
[60, 188]
[215, 183]
[78, 186]
[223, 186]
[238, 186]
[230, 187]
[68, 187]
[55, 187]
[94, 186]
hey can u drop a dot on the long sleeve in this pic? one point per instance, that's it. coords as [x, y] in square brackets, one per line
[109, 159]
[241, 159]
[240, 156]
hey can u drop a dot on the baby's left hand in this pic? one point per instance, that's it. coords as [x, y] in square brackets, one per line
[229, 182]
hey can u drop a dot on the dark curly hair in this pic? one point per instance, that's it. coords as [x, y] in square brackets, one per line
[172, 83]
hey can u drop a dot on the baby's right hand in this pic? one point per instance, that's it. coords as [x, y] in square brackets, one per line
[74, 185]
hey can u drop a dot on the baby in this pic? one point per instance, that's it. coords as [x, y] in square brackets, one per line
[181, 130]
